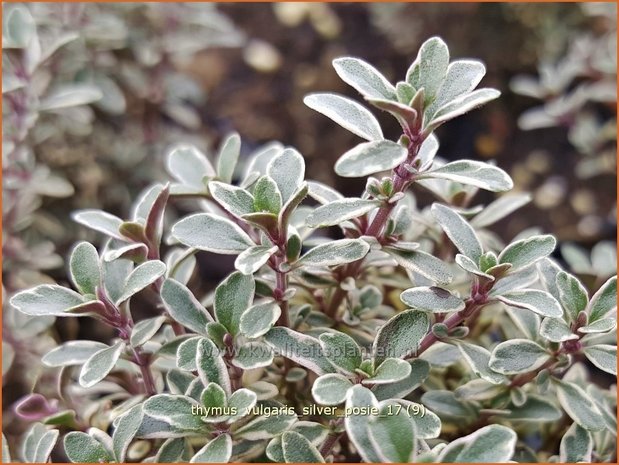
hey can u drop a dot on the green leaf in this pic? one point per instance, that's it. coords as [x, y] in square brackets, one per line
[363, 77]
[172, 450]
[459, 231]
[603, 301]
[213, 396]
[212, 233]
[253, 355]
[141, 277]
[266, 196]
[462, 105]
[84, 268]
[288, 171]
[576, 445]
[100, 364]
[265, 427]
[232, 297]
[357, 425]
[228, 157]
[423, 263]
[537, 301]
[337, 212]
[72, 353]
[323, 193]
[99, 221]
[393, 434]
[461, 78]
[494, 443]
[45, 446]
[369, 158]
[535, 409]
[182, 305]
[400, 336]
[347, 113]
[335, 253]
[579, 406]
[525, 252]
[125, 431]
[186, 354]
[300, 348]
[48, 299]
[243, 401]
[314, 432]
[341, 350]
[390, 371]
[18, 28]
[233, 199]
[433, 60]
[219, 450]
[478, 359]
[297, 449]
[517, 356]
[70, 95]
[469, 265]
[499, 209]
[175, 411]
[599, 326]
[603, 356]
[474, 173]
[258, 319]
[83, 448]
[331, 389]
[406, 116]
[190, 166]
[144, 330]
[556, 330]
[418, 373]
[431, 299]
[253, 258]
[211, 365]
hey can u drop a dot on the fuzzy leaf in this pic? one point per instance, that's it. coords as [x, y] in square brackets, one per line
[258, 319]
[459, 231]
[288, 171]
[400, 335]
[347, 113]
[253, 355]
[212, 233]
[357, 425]
[266, 196]
[603, 356]
[141, 277]
[144, 330]
[100, 364]
[298, 449]
[363, 77]
[182, 305]
[45, 446]
[125, 431]
[233, 199]
[478, 359]
[330, 389]
[336, 253]
[252, 259]
[579, 406]
[175, 411]
[494, 443]
[603, 301]
[228, 157]
[83, 448]
[418, 373]
[433, 60]
[211, 365]
[461, 78]
[189, 166]
[474, 173]
[369, 158]
[462, 105]
[70, 95]
[390, 371]
[72, 353]
[99, 221]
[85, 269]
[431, 299]
[537, 301]
[300, 348]
[219, 450]
[423, 263]
[525, 252]
[341, 350]
[335, 213]
[265, 427]
[576, 445]
[517, 356]
[572, 294]
[393, 435]
[499, 209]
[47, 299]
[556, 330]
[232, 297]
[535, 409]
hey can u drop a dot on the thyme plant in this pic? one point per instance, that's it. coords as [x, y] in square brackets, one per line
[416, 335]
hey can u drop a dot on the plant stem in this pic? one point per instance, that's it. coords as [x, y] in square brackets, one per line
[147, 375]
[331, 439]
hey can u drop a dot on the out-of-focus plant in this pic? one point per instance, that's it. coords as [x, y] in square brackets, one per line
[415, 336]
[579, 91]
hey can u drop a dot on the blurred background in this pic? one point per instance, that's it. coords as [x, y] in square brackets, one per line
[94, 95]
